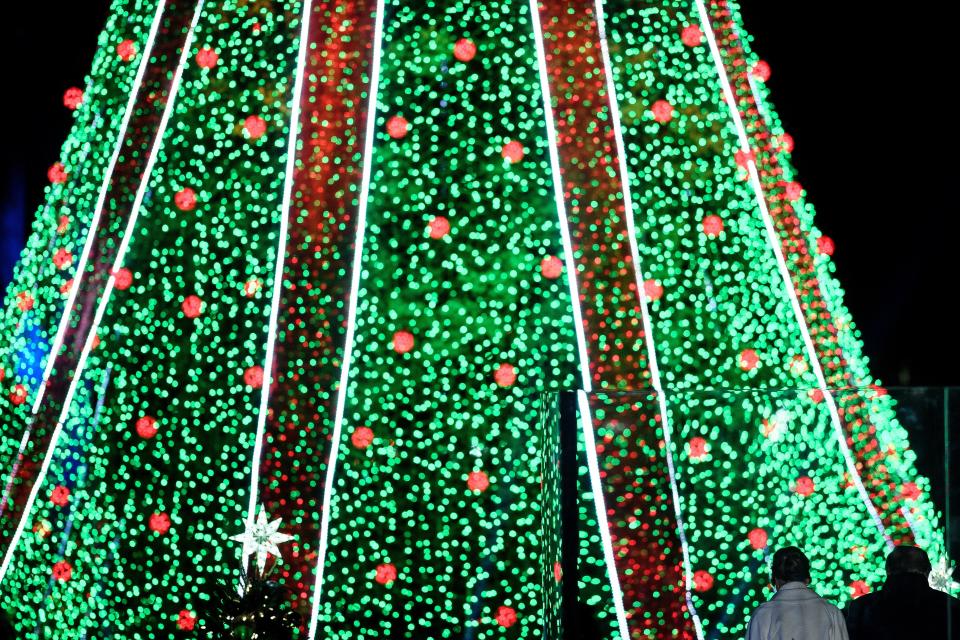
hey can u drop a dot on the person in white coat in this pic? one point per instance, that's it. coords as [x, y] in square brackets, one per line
[795, 612]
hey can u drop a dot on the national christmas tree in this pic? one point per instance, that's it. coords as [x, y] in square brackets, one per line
[334, 259]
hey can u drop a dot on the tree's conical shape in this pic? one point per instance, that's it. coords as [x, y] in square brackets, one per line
[333, 258]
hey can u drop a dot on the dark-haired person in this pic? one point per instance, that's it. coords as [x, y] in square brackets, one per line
[795, 612]
[906, 606]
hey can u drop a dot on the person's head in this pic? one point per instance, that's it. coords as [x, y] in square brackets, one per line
[790, 565]
[907, 559]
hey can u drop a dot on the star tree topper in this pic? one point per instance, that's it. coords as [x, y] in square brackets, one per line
[261, 538]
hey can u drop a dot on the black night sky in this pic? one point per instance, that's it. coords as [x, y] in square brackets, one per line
[863, 90]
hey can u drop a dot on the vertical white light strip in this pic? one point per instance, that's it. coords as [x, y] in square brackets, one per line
[97, 211]
[281, 255]
[785, 274]
[586, 419]
[363, 198]
[645, 313]
[105, 298]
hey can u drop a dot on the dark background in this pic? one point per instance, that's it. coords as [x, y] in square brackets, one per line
[863, 90]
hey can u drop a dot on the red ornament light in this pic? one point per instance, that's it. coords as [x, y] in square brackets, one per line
[761, 71]
[72, 98]
[362, 437]
[744, 158]
[397, 127]
[505, 375]
[464, 50]
[816, 395]
[551, 267]
[697, 447]
[506, 617]
[748, 360]
[25, 301]
[477, 481]
[65, 287]
[255, 126]
[825, 245]
[191, 306]
[439, 227]
[793, 191]
[702, 580]
[804, 486]
[712, 226]
[691, 35]
[557, 572]
[402, 341]
[159, 523]
[185, 199]
[63, 224]
[251, 287]
[910, 491]
[18, 395]
[126, 50]
[253, 376]
[60, 496]
[62, 259]
[3, 374]
[186, 620]
[57, 173]
[62, 571]
[512, 151]
[386, 573]
[146, 426]
[122, 279]
[662, 111]
[859, 588]
[207, 58]
[652, 289]
[786, 142]
[757, 538]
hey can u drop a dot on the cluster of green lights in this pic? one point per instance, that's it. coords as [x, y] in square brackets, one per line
[153, 468]
[435, 524]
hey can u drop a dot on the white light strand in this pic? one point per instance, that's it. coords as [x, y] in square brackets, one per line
[586, 419]
[281, 255]
[655, 378]
[363, 199]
